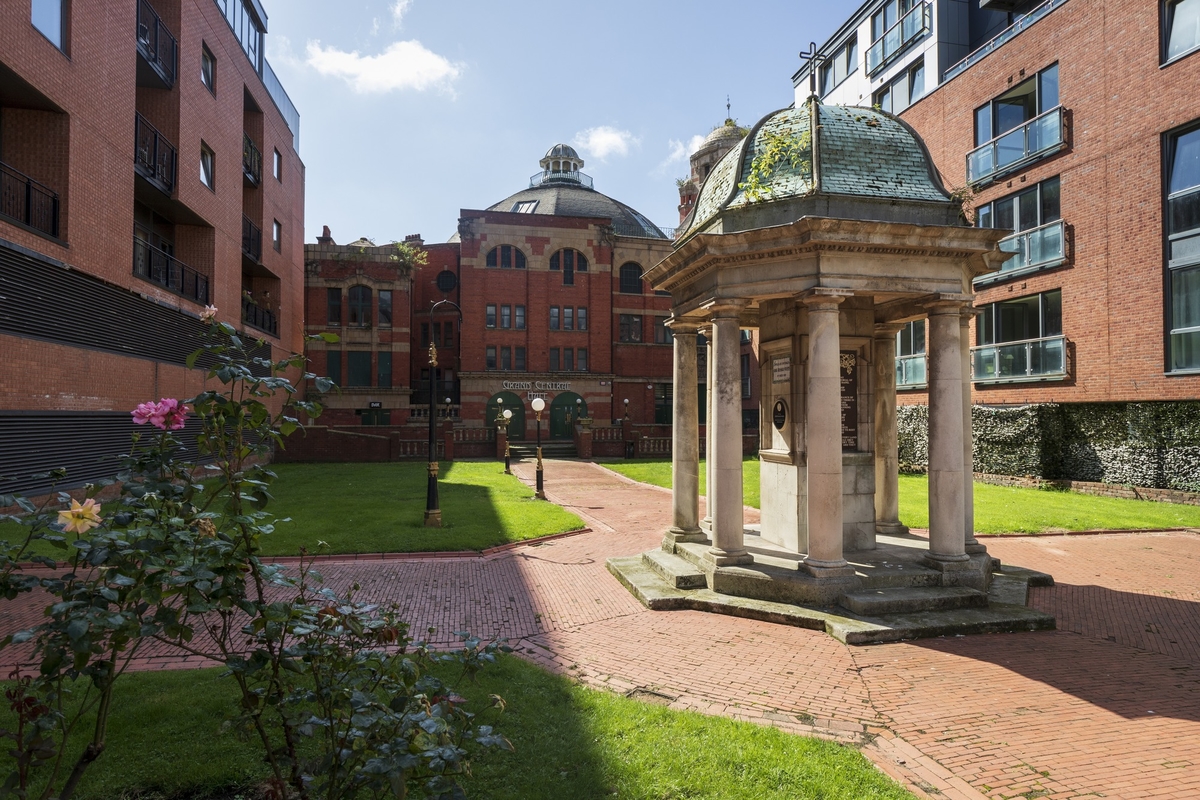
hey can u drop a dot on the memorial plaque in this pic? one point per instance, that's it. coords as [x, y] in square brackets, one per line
[781, 369]
[779, 415]
[849, 376]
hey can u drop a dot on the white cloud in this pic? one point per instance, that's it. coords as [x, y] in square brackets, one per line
[399, 9]
[605, 141]
[678, 151]
[403, 65]
[282, 52]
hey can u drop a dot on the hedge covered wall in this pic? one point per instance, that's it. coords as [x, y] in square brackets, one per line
[1140, 444]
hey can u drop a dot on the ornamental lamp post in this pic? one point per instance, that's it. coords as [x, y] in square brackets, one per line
[578, 409]
[539, 404]
[433, 510]
[626, 408]
[507, 454]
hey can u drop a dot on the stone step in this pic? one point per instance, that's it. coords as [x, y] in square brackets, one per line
[877, 602]
[674, 570]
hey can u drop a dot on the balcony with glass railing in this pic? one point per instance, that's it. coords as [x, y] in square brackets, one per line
[911, 372]
[1040, 136]
[157, 266]
[1038, 248]
[909, 28]
[27, 202]
[1043, 359]
[154, 157]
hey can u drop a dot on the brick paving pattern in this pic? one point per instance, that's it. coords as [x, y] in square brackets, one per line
[1107, 706]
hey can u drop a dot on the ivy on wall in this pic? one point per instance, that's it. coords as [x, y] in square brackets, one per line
[1155, 445]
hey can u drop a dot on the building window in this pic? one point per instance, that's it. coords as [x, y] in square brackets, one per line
[277, 236]
[664, 399]
[1038, 235]
[568, 321]
[520, 320]
[385, 308]
[248, 32]
[490, 357]
[383, 371]
[662, 334]
[505, 316]
[581, 359]
[1018, 126]
[491, 315]
[631, 279]
[1183, 235]
[333, 366]
[506, 358]
[524, 206]
[554, 359]
[894, 27]
[568, 359]
[333, 300]
[581, 318]
[569, 261]
[910, 355]
[277, 166]
[1020, 340]
[630, 328]
[841, 64]
[424, 334]
[360, 306]
[554, 311]
[207, 166]
[745, 375]
[49, 17]
[208, 69]
[907, 88]
[519, 359]
[1181, 27]
[505, 257]
[445, 334]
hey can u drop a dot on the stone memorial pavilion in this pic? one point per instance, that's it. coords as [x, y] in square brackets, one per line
[827, 229]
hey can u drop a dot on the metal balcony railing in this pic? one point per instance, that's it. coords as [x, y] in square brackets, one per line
[251, 239]
[549, 176]
[912, 26]
[1036, 248]
[24, 200]
[152, 264]
[1001, 38]
[251, 160]
[284, 103]
[258, 317]
[156, 44]
[1043, 134]
[1029, 360]
[154, 157]
[911, 371]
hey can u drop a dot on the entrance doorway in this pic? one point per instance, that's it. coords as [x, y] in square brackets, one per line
[511, 402]
[564, 411]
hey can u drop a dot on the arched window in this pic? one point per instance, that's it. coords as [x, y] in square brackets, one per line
[631, 279]
[569, 261]
[360, 306]
[505, 257]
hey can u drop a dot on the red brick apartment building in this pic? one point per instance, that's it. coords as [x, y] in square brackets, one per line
[149, 167]
[1075, 124]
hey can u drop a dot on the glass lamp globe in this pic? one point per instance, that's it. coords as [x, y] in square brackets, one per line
[538, 404]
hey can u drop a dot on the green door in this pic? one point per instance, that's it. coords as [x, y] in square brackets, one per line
[566, 408]
[497, 405]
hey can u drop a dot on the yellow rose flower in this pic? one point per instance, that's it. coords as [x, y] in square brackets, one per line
[81, 517]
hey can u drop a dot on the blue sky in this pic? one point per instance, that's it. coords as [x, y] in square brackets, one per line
[414, 109]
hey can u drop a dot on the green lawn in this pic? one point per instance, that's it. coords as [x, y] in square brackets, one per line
[380, 508]
[165, 740]
[998, 509]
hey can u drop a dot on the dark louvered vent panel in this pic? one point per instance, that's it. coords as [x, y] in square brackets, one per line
[49, 302]
[87, 444]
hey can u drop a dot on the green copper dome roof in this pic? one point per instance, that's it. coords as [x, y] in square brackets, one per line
[862, 157]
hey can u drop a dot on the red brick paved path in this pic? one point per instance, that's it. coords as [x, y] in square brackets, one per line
[1108, 706]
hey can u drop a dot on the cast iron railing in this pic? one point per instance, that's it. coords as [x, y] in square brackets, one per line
[1012, 149]
[24, 200]
[154, 157]
[251, 160]
[256, 316]
[904, 32]
[167, 271]
[251, 239]
[549, 176]
[156, 43]
[1028, 360]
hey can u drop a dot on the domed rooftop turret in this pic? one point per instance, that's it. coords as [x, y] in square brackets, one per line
[862, 164]
[561, 190]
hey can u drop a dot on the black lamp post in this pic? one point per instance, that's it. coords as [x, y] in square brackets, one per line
[539, 404]
[433, 510]
[507, 455]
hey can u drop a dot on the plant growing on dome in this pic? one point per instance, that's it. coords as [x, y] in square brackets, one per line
[776, 148]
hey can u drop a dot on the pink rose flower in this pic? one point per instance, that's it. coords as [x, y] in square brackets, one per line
[166, 414]
[208, 314]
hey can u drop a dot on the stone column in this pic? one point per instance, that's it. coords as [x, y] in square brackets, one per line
[887, 460]
[823, 436]
[685, 449]
[710, 415]
[947, 538]
[972, 544]
[725, 458]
